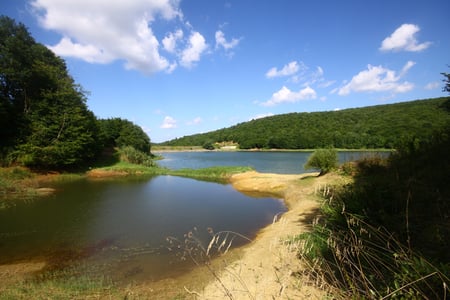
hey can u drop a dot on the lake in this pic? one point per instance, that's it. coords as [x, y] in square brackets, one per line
[282, 162]
[120, 227]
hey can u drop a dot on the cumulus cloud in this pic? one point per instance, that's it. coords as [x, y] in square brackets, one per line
[197, 45]
[222, 42]
[169, 123]
[287, 70]
[378, 79]
[404, 38]
[170, 40]
[103, 32]
[285, 95]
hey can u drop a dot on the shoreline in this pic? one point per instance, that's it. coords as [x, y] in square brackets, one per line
[158, 151]
[268, 267]
[252, 264]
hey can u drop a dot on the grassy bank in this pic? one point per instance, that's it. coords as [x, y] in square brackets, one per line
[63, 284]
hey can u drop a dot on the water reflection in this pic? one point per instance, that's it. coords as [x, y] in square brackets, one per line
[123, 225]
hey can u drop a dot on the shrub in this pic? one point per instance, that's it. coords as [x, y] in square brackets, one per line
[323, 159]
[131, 155]
[208, 146]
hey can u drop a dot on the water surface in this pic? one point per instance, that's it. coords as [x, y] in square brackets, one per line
[282, 162]
[122, 225]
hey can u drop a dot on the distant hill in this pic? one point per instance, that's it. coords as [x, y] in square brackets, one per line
[381, 126]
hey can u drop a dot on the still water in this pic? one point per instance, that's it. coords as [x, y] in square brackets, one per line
[119, 227]
[281, 162]
[122, 225]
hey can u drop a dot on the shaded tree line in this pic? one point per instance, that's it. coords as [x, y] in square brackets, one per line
[44, 119]
[381, 126]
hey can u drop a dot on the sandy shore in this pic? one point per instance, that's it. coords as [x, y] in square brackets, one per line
[266, 267]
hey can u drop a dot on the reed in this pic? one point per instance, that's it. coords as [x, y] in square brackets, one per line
[359, 260]
[202, 252]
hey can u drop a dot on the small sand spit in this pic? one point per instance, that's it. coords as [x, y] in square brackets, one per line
[100, 174]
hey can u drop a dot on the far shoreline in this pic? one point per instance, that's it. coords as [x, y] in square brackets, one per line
[164, 149]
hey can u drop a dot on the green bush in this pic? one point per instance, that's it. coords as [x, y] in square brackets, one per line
[208, 146]
[323, 159]
[131, 155]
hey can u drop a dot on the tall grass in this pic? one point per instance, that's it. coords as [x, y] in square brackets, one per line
[386, 235]
[201, 251]
[61, 284]
[15, 183]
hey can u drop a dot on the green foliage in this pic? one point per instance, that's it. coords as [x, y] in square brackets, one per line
[387, 233]
[45, 121]
[381, 126]
[131, 155]
[118, 132]
[446, 88]
[208, 146]
[323, 159]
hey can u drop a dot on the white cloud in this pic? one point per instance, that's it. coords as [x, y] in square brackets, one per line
[288, 70]
[103, 31]
[197, 45]
[378, 79]
[404, 38]
[285, 95]
[196, 121]
[170, 41]
[169, 123]
[406, 68]
[260, 116]
[88, 53]
[222, 42]
[433, 85]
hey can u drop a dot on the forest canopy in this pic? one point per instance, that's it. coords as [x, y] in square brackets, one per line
[381, 126]
[44, 119]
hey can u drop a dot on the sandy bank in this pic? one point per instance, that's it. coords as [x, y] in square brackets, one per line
[267, 266]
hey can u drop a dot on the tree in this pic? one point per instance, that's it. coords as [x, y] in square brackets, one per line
[323, 159]
[117, 132]
[45, 121]
[208, 145]
[446, 88]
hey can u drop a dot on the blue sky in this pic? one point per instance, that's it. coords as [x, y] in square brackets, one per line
[177, 68]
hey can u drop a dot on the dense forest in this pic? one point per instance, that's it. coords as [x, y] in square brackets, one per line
[44, 120]
[381, 126]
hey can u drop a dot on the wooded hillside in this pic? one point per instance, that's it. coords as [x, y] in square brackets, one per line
[44, 119]
[381, 126]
